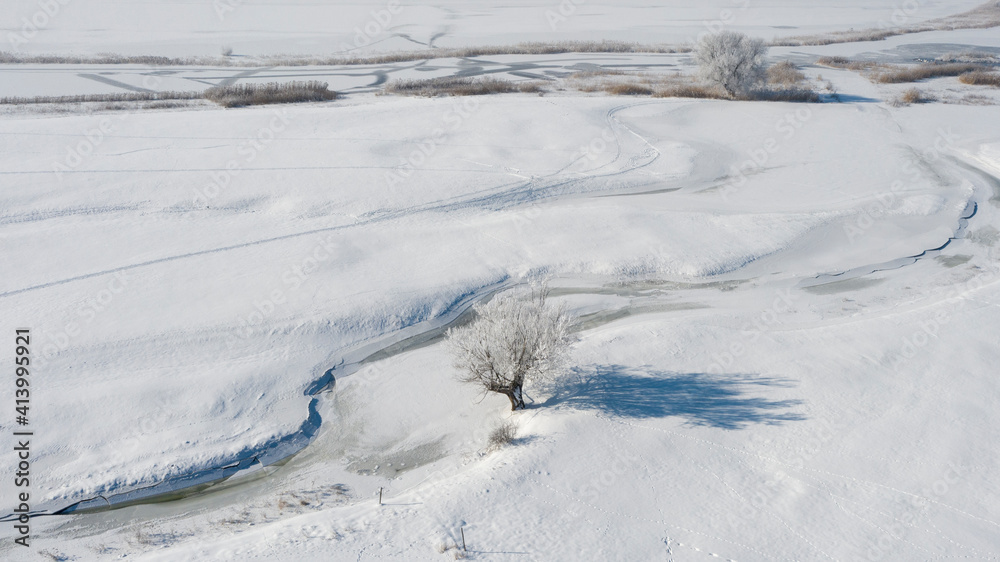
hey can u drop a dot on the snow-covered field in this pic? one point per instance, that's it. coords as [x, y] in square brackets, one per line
[181, 28]
[786, 328]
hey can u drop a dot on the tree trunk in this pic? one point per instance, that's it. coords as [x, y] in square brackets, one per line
[515, 397]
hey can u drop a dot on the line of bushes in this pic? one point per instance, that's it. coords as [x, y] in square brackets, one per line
[115, 97]
[899, 74]
[528, 48]
[981, 78]
[240, 95]
[227, 96]
[459, 86]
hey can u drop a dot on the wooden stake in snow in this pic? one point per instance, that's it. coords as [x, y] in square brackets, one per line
[380, 495]
[463, 538]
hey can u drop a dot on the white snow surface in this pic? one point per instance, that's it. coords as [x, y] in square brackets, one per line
[775, 358]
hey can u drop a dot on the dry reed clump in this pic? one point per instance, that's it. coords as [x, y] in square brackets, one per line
[697, 91]
[848, 64]
[785, 73]
[240, 95]
[898, 74]
[905, 74]
[598, 80]
[978, 57]
[618, 83]
[629, 90]
[910, 97]
[796, 95]
[459, 86]
[980, 78]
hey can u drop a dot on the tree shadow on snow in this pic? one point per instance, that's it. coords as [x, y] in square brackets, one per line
[703, 400]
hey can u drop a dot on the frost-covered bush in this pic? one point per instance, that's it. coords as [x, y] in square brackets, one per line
[512, 339]
[239, 95]
[502, 434]
[732, 60]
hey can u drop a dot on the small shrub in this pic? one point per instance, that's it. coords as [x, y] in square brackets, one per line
[259, 94]
[227, 51]
[503, 434]
[785, 73]
[535, 87]
[833, 61]
[912, 96]
[980, 78]
[629, 90]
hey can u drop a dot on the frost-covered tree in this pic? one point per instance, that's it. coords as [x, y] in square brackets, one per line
[732, 60]
[513, 338]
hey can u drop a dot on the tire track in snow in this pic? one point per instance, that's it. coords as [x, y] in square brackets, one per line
[507, 196]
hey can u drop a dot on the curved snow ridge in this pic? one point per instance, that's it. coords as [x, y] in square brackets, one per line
[254, 459]
[979, 192]
[735, 241]
[271, 453]
[971, 208]
[245, 463]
